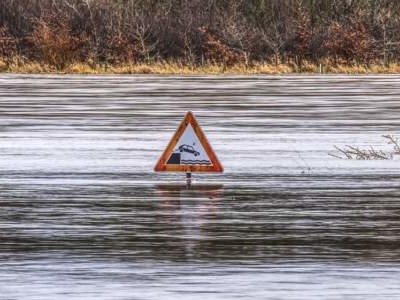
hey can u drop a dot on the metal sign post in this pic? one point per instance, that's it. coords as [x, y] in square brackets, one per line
[188, 180]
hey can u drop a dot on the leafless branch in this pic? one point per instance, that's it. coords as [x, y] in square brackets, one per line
[352, 152]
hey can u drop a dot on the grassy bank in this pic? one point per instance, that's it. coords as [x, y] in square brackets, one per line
[175, 68]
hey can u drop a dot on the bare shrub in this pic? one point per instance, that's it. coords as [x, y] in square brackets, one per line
[394, 141]
[302, 37]
[352, 152]
[55, 44]
[242, 32]
[349, 41]
[215, 51]
[274, 24]
[237, 32]
[121, 50]
[8, 48]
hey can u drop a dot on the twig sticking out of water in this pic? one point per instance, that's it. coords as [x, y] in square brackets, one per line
[394, 141]
[351, 152]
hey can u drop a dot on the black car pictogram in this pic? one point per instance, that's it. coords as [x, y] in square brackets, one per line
[189, 149]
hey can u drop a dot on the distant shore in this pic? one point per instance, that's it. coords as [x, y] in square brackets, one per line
[199, 37]
[174, 68]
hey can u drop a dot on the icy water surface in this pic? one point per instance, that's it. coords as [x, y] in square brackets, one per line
[83, 216]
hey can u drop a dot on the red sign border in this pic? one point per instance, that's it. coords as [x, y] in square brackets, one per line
[161, 165]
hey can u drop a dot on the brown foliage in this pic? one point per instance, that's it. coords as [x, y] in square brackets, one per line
[121, 50]
[303, 35]
[349, 42]
[57, 32]
[215, 51]
[55, 44]
[8, 45]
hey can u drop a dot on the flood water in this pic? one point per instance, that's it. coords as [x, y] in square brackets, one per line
[83, 215]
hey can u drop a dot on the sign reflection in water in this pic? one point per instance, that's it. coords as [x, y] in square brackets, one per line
[82, 215]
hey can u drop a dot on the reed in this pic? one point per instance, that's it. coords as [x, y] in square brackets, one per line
[21, 65]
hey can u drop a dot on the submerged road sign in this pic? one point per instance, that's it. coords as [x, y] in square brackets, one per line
[188, 151]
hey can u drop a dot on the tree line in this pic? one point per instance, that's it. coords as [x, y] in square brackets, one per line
[197, 32]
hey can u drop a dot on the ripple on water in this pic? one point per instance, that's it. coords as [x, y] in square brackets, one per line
[83, 215]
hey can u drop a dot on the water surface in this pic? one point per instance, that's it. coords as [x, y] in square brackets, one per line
[83, 216]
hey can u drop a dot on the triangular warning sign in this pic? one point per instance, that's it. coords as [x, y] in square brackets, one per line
[189, 151]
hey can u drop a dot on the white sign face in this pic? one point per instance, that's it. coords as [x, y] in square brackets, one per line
[189, 150]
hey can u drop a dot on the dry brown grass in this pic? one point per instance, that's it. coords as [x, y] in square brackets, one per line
[21, 65]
